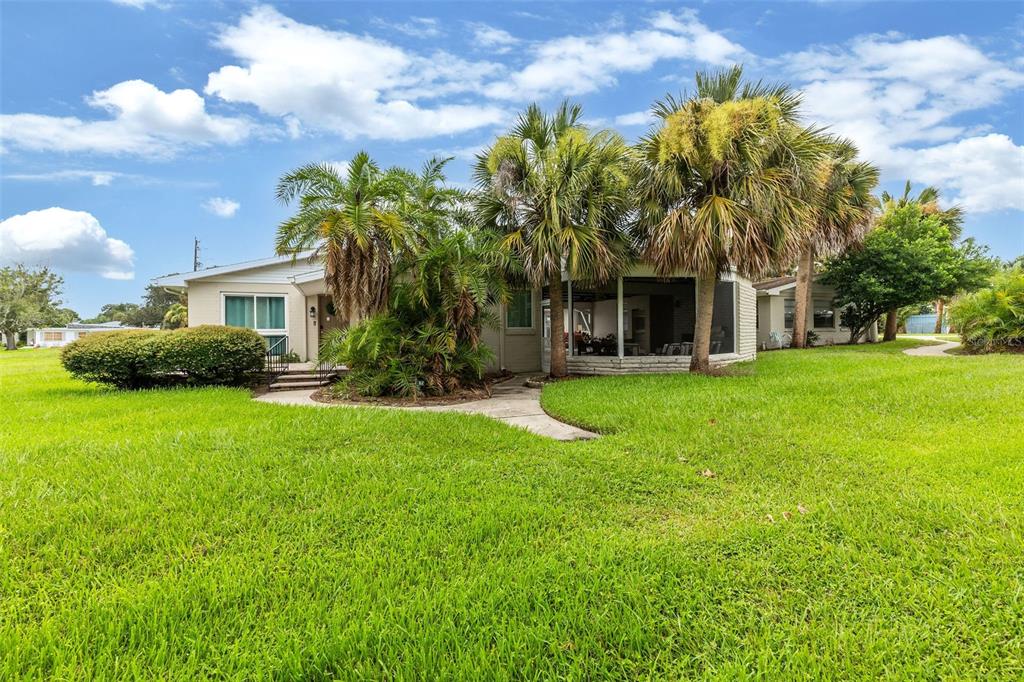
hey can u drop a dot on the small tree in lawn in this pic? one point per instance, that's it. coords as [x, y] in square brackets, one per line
[29, 298]
[909, 258]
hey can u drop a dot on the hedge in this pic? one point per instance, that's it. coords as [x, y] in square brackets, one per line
[205, 355]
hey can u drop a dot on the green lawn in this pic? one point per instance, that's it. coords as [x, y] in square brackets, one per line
[195, 533]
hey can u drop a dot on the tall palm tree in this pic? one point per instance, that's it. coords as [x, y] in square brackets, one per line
[557, 194]
[353, 220]
[952, 218]
[719, 185]
[435, 208]
[841, 211]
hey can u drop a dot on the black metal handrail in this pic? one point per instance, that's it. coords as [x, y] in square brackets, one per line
[325, 370]
[275, 363]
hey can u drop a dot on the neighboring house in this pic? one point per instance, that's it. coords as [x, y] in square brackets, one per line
[776, 305]
[52, 337]
[639, 323]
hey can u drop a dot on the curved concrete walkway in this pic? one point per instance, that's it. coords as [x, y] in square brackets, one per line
[931, 351]
[511, 402]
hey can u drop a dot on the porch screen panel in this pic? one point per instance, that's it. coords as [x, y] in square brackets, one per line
[723, 319]
[658, 315]
[594, 322]
[238, 312]
[269, 312]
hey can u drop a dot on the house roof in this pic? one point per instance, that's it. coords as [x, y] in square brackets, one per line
[775, 285]
[180, 279]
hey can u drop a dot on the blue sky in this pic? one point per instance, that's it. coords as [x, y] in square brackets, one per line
[129, 127]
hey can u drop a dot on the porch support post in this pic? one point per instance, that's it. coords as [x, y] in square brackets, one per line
[618, 320]
[571, 328]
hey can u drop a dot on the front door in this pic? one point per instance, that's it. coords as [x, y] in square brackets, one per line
[328, 317]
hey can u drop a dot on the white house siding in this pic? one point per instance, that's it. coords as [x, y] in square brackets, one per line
[205, 306]
[746, 320]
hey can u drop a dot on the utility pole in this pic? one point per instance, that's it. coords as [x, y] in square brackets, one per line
[195, 255]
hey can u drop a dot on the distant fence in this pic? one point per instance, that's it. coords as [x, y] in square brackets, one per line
[924, 324]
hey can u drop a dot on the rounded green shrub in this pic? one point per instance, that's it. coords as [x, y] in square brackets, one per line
[202, 355]
[211, 354]
[126, 359]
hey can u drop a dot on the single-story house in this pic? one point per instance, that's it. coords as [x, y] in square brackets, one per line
[776, 305]
[638, 323]
[52, 337]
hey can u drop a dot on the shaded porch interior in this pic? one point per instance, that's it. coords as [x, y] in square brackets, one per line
[640, 317]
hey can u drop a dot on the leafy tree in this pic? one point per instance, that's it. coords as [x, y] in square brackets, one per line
[28, 298]
[59, 317]
[909, 258]
[557, 194]
[116, 312]
[952, 217]
[841, 212]
[719, 185]
[155, 304]
[353, 220]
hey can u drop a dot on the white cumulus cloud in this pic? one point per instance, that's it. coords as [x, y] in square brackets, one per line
[354, 85]
[575, 65]
[65, 240]
[901, 99]
[636, 118]
[492, 38]
[221, 206]
[144, 121]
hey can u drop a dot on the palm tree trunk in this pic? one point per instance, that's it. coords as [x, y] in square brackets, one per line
[558, 367]
[891, 320]
[940, 309]
[701, 359]
[804, 272]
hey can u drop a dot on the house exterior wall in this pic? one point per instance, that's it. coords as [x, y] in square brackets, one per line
[519, 350]
[36, 337]
[206, 306]
[772, 311]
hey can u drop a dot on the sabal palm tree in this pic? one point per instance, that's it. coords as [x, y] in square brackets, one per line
[353, 220]
[928, 200]
[557, 194]
[952, 218]
[719, 185]
[841, 211]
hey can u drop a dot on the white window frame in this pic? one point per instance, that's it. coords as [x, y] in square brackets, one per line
[262, 332]
[59, 335]
[532, 314]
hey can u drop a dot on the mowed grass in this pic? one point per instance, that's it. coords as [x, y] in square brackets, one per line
[194, 533]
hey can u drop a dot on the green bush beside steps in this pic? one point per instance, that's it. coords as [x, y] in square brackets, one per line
[206, 355]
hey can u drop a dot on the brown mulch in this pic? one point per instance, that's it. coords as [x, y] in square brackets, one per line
[465, 395]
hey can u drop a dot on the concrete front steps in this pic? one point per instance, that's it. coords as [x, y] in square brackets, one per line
[299, 379]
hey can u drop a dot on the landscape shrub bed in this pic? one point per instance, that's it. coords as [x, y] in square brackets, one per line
[992, 319]
[205, 355]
